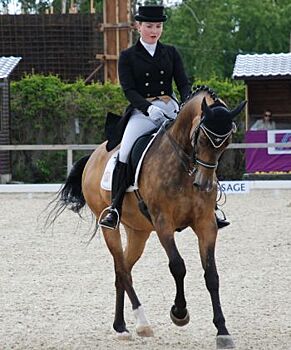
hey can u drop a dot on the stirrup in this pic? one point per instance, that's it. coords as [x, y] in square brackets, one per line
[110, 211]
[221, 222]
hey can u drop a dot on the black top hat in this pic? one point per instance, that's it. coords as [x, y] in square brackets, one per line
[150, 14]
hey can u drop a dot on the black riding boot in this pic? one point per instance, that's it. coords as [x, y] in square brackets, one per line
[221, 222]
[119, 186]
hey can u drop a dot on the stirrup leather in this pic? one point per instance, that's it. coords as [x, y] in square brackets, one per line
[110, 210]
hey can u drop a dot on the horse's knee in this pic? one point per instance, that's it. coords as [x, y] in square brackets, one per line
[123, 279]
[177, 267]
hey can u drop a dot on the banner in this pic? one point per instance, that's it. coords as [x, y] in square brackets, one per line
[270, 159]
[234, 187]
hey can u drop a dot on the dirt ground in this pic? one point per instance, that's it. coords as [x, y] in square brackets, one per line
[58, 293]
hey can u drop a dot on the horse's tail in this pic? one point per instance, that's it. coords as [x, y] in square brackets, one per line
[70, 196]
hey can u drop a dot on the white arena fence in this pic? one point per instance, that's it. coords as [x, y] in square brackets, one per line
[274, 184]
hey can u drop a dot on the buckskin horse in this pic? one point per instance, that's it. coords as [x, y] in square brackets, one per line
[178, 185]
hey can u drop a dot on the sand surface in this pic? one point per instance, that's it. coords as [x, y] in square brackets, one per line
[58, 293]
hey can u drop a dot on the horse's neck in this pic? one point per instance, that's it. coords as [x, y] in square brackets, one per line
[181, 129]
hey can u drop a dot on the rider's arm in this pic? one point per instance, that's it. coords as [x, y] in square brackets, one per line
[128, 85]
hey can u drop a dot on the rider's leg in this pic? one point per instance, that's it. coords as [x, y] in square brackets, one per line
[119, 186]
[138, 125]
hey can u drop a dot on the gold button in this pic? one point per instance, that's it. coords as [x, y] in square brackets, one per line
[162, 92]
[161, 82]
[147, 84]
[162, 72]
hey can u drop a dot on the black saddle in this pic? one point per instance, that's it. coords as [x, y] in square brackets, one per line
[135, 154]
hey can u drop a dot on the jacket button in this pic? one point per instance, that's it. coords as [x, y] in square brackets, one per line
[161, 82]
[147, 74]
[147, 84]
[148, 95]
[162, 92]
[162, 72]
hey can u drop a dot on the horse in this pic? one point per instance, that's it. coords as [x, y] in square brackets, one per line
[178, 186]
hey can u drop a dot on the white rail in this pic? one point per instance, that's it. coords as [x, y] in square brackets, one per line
[90, 147]
[68, 148]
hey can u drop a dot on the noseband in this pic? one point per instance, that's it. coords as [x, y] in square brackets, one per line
[216, 140]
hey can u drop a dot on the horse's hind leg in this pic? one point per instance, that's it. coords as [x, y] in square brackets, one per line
[123, 281]
[136, 241]
[114, 245]
[207, 253]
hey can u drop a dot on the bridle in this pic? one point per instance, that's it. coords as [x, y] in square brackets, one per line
[216, 141]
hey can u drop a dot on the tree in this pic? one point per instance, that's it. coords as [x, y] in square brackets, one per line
[209, 34]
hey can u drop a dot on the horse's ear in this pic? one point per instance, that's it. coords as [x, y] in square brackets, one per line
[238, 109]
[205, 109]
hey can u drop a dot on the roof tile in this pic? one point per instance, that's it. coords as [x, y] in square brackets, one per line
[7, 64]
[262, 65]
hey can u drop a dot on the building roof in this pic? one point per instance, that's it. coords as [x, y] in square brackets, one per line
[7, 64]
[262, 66]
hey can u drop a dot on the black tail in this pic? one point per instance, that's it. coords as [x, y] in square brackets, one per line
[70, 195]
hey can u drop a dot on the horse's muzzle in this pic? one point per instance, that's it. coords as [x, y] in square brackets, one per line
[203, 183]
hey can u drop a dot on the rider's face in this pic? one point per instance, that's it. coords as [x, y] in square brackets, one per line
[150, 32]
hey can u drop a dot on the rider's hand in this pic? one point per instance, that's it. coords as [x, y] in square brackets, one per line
[156, 114]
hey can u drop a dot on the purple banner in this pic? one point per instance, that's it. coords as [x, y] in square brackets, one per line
[260, 159]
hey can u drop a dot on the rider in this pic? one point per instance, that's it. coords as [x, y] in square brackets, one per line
[146, 71]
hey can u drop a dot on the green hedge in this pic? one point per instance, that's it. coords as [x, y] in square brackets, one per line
[44, 110]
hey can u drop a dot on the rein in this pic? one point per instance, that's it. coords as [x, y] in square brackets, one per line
[185, 158]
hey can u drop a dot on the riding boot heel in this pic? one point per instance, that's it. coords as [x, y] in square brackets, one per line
[221, 223]
[111, 219]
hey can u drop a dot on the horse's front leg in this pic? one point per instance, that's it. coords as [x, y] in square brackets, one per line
[179, 313]
[207, 253]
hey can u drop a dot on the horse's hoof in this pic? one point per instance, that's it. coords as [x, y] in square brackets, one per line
[123, 335]
[180, 322]
[224, 342]
[144, 331]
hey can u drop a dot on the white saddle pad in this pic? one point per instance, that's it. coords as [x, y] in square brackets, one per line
[106, 181]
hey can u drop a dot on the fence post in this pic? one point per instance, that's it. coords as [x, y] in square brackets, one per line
[69, 160]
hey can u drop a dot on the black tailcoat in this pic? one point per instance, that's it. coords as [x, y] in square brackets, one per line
[142, 76]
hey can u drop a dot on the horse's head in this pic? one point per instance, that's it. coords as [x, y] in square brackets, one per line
[210, 138]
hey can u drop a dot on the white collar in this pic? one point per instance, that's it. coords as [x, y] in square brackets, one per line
[151, 48]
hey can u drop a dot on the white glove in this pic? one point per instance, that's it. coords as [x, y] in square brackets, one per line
[156, 114]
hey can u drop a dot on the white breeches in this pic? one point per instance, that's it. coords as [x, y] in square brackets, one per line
[140, 124]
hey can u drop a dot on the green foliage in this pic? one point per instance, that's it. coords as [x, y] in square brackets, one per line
[209, 34]
[45, 110]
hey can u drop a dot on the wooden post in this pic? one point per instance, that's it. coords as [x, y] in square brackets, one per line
[117, 34]
[92, 9]
[64, 4]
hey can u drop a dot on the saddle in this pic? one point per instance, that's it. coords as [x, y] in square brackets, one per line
[137, 154]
